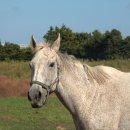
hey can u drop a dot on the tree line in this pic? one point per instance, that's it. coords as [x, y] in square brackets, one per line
[92, 46]
[12, 51]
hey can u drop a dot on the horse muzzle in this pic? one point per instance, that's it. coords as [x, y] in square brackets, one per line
[37, 96]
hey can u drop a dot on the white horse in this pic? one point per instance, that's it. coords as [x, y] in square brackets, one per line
[98, 98]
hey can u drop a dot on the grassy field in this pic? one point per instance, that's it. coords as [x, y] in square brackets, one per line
[16, 69]
[17, 114]
[123, 65]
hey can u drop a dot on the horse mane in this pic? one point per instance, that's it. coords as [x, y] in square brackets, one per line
[65, 56]
[96, 73]
[68, 61]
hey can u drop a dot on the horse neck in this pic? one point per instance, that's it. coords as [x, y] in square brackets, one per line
[74, 88]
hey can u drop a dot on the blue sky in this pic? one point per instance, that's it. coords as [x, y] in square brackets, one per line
[19, 19]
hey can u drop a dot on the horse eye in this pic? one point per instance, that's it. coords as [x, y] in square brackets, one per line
[52, 64]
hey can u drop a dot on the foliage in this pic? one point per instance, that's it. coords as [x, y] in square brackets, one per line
[92, 46]
[11, 51]
[95, 45]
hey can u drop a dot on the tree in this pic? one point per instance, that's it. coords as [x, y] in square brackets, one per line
[96, 40]
[1, 52]
[67, 37]
[26, 54]
[11, 51]
[125, 48]
[110, 44]
[95, 45]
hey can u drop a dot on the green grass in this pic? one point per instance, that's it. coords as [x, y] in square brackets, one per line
[16, 113]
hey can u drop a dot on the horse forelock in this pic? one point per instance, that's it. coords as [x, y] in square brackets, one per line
[41, 46]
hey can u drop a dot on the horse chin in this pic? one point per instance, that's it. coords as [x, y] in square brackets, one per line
[38, 104]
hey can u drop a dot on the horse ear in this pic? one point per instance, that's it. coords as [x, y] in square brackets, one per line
[56, 45]
[33, 43]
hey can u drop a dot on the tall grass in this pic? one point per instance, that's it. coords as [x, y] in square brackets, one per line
[14, 78]
[15, 69]
[123, 65]
[20, 69]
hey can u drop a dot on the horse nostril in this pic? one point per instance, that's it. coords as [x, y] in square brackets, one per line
[39, 95]
[29, 98]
